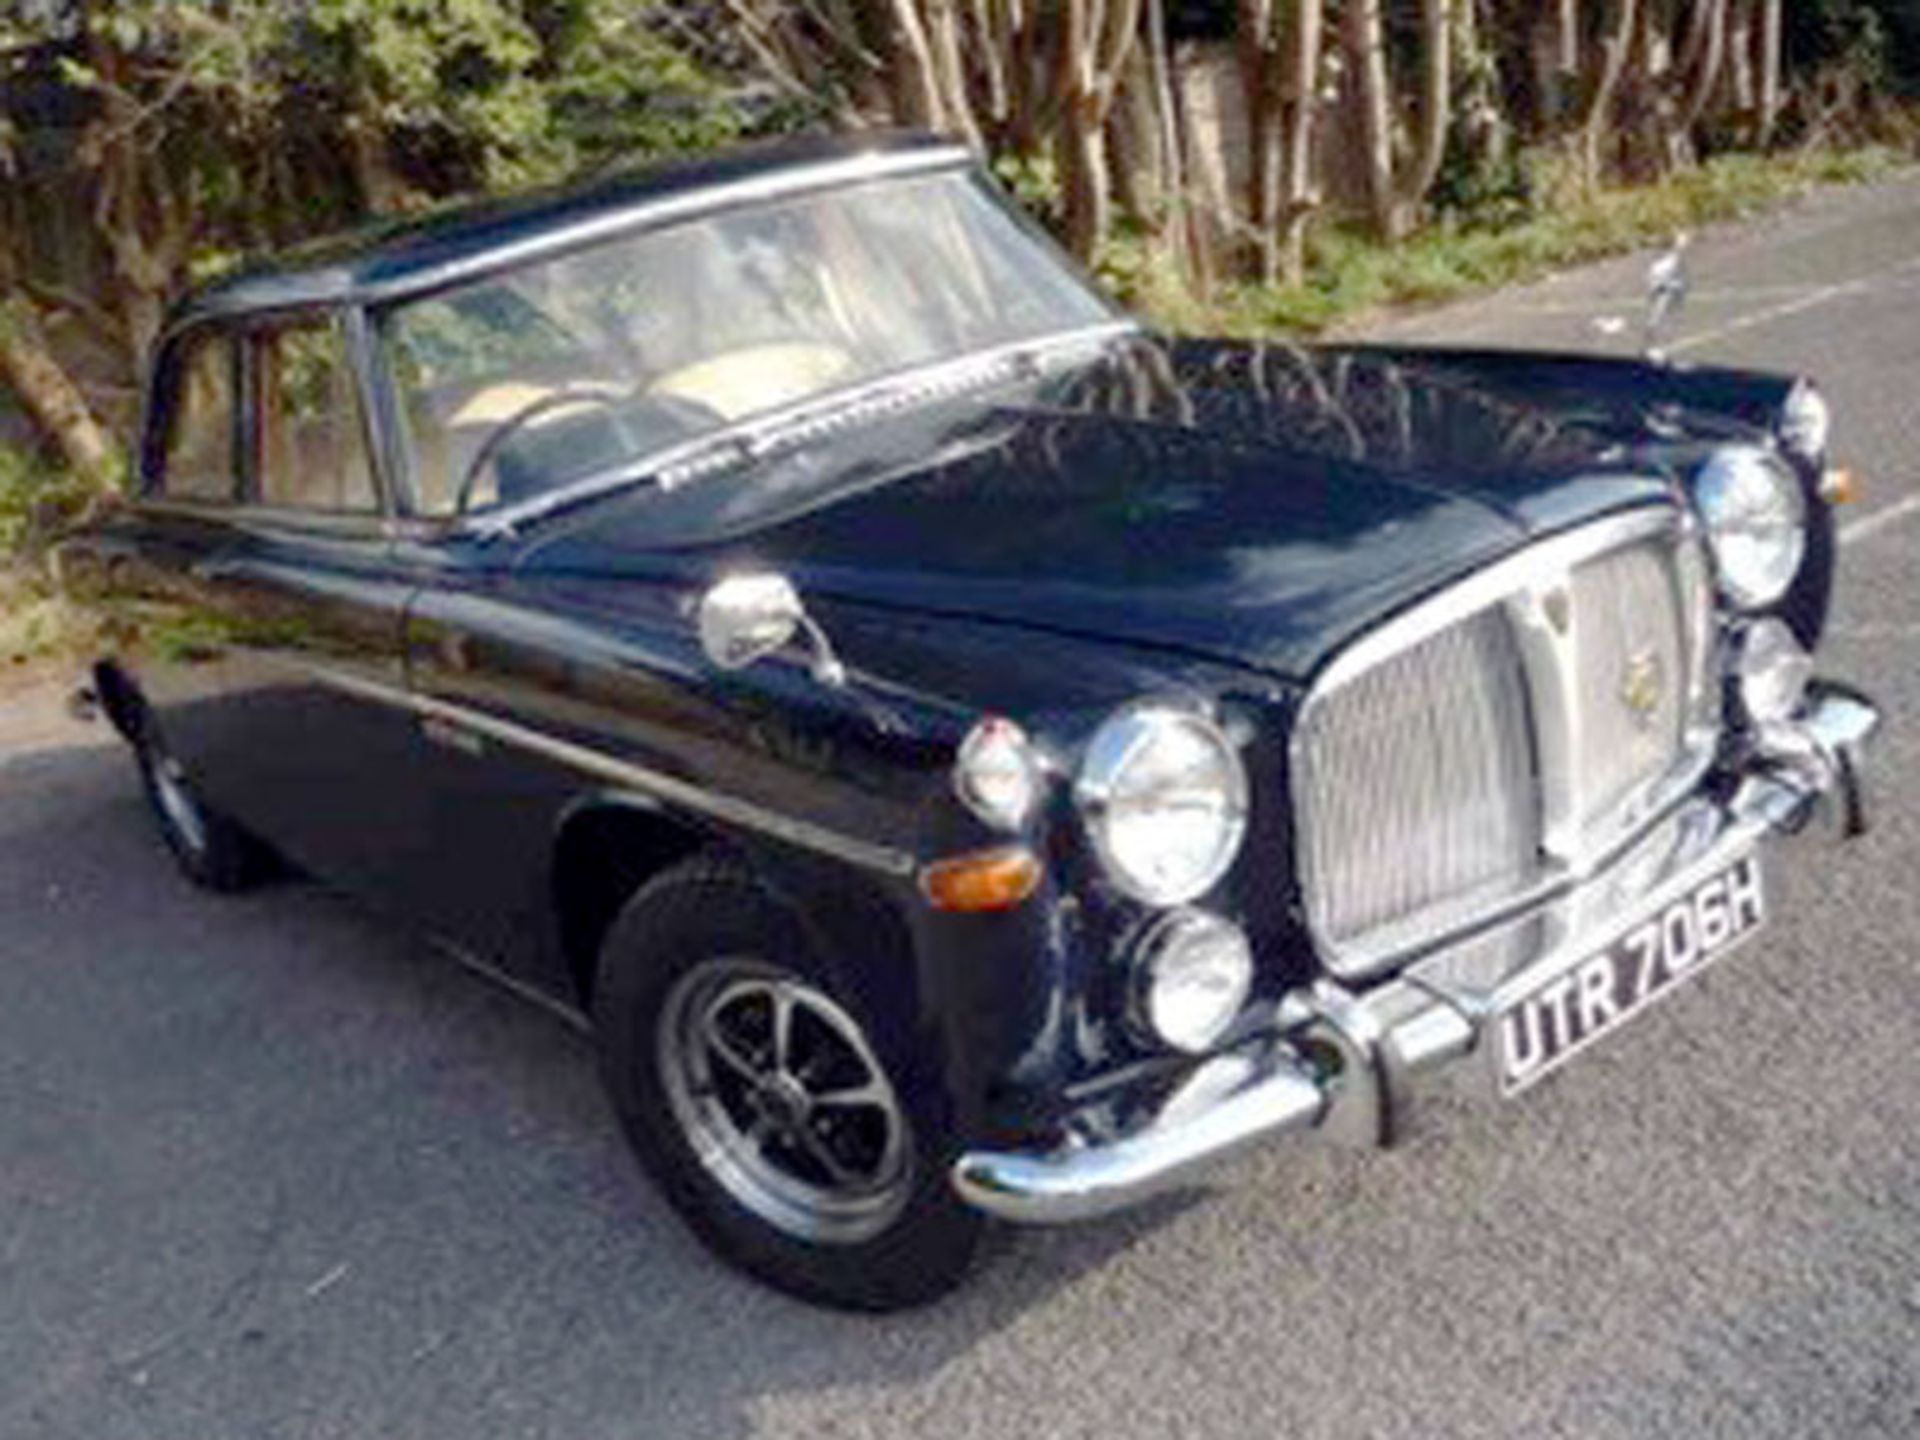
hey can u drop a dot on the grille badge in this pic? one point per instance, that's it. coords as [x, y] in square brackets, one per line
[1643, 686]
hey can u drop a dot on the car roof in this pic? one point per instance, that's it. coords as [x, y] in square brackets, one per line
[387, 262]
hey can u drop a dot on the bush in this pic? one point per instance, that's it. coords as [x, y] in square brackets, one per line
[37, 501]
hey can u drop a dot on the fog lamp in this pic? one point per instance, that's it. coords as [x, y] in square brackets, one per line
[1771, 671]
[1806, 422]
[997, 774]
[1191, 979]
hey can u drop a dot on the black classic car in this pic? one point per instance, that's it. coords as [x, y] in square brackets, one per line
[968, 756]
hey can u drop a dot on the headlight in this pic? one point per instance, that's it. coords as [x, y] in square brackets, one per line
[1805, 422]
[1165, 801]
[1191, 979]
[1770, 671]
[1756, 517]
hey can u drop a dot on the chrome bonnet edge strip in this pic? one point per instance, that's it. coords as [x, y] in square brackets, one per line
[1543, 560]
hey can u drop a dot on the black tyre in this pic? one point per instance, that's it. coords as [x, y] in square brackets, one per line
[212, 851]
[753, 1086]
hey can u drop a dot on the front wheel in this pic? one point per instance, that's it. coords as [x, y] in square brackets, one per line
[752, 1086]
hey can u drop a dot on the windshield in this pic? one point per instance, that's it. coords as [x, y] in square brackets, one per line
[516, 386]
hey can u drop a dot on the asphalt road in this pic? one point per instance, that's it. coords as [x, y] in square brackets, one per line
[267, 1169]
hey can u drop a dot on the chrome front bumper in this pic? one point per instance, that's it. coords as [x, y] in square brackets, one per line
[1345, 1064]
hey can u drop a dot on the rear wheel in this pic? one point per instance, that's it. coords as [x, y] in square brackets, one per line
[753, 1086]
[210, 849]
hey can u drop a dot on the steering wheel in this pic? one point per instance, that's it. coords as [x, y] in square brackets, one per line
[748, 378]
[517, 421]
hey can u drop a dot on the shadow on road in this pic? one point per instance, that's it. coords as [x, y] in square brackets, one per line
[262, 1161]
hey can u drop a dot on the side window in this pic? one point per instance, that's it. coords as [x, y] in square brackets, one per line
[309, 448]
[199, 452]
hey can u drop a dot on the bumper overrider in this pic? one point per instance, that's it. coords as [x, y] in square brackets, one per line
[1346, 1063]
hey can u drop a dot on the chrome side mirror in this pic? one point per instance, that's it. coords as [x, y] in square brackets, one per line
[1666, 295]
[745, 618]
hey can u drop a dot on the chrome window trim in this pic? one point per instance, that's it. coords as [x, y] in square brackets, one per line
[664, 210]
[1525, 584]
[337, 284]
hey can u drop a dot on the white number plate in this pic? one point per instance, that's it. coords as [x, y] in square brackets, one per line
[1562, 1016]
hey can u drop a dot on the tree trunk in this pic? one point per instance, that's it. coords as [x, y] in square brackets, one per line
[916, 84]
[1300, 97]
[58, 410]
[1712, 29]
[1254, 47]
[1436, 108]
[1597, 116]
[1394, 196]
[1566, 37]
[1739, 68]
[1767, 73]
[1082, 154]
[1094, 50]
[1187, 241]
[950, 74]
[1366, 66]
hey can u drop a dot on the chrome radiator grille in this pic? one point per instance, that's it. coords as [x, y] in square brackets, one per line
[1631, 647]
[1501, 735]
[1417, 785]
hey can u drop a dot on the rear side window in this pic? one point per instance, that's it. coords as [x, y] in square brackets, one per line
[200, 449]
[310, 450]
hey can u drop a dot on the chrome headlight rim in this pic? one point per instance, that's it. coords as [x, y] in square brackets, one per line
[1806, 422]
[1770, 671]
[1120, 742]
[1174, 938]
[1729, 503]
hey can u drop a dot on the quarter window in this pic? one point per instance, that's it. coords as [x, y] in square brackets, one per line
[308, 442]
[199, 456]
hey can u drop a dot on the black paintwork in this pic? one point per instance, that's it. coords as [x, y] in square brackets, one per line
[1166, 518]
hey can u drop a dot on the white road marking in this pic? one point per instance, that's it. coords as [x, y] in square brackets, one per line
[1839, 290]
[327, 1281]
[1872, 524]
[1755, 318]
[1888, 630]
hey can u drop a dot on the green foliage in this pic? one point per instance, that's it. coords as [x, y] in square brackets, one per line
[1855, 35]
[284, 117]
[1033, 180]
[36, 501]
[504, 93]
[1485, 178]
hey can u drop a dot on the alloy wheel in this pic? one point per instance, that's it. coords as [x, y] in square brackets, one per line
[781, 1098]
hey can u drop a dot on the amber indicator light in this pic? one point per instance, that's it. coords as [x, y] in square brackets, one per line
[989, 880]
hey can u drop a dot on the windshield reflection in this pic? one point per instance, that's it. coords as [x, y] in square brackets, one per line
[518, 386]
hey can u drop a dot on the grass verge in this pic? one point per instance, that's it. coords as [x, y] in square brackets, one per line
[1350, 275]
